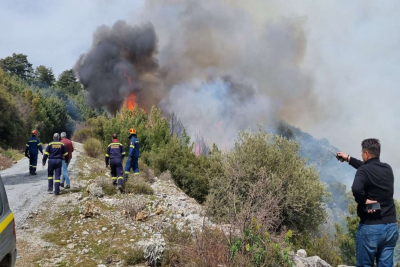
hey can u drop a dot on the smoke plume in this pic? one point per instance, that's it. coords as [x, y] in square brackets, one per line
[120, 61]
[210, 62]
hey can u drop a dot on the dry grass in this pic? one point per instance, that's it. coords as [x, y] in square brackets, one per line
[133, 256]
[8, 157]
[93, 147]
[209, 248]
[165, 176]
[131, 207]
[138, 186]
[5, 162]
[107, 185]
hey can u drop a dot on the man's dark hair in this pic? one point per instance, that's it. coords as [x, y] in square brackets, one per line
[373, 146]
[114, 136]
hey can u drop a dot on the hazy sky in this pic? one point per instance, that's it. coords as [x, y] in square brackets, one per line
[352, 54]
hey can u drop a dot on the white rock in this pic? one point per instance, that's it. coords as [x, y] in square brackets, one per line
[85, 232]
[71, 246]
[193, 217]
[123, 231]
[104, 229]
[302, 253]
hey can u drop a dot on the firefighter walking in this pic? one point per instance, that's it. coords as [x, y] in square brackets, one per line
[33, 146]
[133, 156]
[56, 152]
[114, 157]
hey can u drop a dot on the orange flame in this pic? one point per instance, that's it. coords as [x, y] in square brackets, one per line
[130, 102]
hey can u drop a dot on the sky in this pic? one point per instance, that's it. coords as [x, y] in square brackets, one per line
[352, 55]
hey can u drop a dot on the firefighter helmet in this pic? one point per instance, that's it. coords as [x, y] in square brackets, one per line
[34, 132]
[132, 131]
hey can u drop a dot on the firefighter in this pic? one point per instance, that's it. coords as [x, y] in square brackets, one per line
[133, 156]
[33, 146]
[114, 157]
[56, 152]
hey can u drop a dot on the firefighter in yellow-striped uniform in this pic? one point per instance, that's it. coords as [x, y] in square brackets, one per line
[56, 152]
[133, 157]
[33, 146]
[114, 156]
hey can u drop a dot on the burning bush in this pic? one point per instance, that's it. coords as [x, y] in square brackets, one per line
[264, 177]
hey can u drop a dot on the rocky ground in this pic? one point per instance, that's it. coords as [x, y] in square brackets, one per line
[85, 226]
[93, 225]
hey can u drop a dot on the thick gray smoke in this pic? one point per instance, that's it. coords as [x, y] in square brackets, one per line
[219, 70]
[119, 62]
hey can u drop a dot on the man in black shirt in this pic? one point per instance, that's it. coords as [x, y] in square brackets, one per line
[377, 232]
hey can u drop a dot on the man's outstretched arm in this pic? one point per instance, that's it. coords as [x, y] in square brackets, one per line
[352, 161]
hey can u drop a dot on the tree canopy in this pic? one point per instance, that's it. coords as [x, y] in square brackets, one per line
[44, 76]
[17, 64]
[68, 82]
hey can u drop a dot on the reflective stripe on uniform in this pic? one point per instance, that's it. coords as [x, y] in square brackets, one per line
[39, 144]
[136, 173]
[136, 141]
[66, 153]
[126, 172]
[32, 141]
[123, 153]
[114, 178]
[33, 166]
[47, 153]
[57, 181]
[132, 146]
[107, 155]
[49, 178]
[120, 178]
[27, 145]
[56, 143]
[115, 144]
[6, 222]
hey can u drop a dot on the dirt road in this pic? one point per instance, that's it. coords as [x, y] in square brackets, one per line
[25, 192]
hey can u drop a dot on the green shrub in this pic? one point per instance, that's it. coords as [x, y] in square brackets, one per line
[265, 177]
[82, 135]
[93, 147]
[187, 170]
[324, 247]
[158, 149]
[138, 186]
[11, 123]
[347, 239]
[259, 249]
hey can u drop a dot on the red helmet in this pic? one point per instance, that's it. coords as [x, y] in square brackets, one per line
[34, 132]
[132, 131]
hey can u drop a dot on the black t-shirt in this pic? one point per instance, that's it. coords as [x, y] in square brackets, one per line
[374, 180]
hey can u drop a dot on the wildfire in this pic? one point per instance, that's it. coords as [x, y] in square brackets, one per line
[130, 102]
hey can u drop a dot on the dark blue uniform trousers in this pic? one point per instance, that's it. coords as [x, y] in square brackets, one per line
[117, 170]
[55, 165]
[133, 164]
[33, 162]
